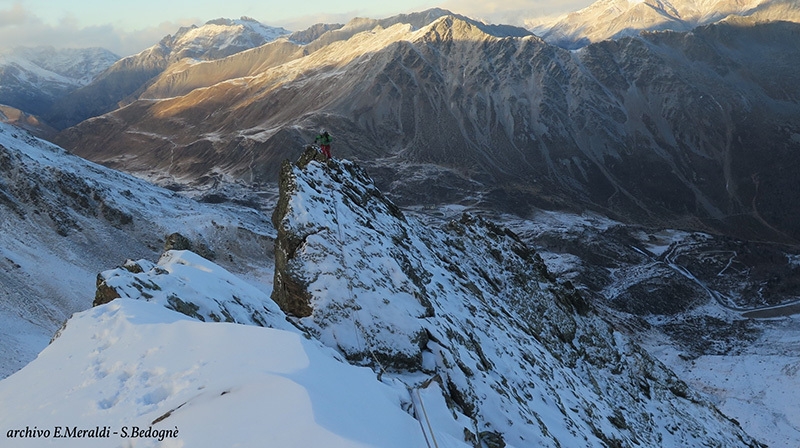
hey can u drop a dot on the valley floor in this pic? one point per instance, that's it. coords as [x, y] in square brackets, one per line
[757, 385]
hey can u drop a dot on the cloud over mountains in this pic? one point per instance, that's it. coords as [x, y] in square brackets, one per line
[19, 26]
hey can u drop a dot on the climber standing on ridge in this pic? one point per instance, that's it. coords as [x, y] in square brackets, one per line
[324, 141]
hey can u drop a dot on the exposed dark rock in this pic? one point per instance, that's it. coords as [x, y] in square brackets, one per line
[104, 292]
[492, 439]
[288, 291]
[176, 241]
[188, 308]
[706, 335]
[665, 292]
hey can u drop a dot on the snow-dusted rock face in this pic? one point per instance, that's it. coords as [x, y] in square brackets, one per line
[522, 356]
[192, 285]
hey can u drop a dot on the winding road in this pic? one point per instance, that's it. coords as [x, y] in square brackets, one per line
[765, 312]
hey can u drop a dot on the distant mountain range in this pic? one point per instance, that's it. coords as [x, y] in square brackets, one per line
[124, 80]
[613, 19]
[43, 82]
[32, 80]
[666, 128]
[64, 87]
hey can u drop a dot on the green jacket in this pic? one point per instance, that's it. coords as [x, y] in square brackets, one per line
[323, 139]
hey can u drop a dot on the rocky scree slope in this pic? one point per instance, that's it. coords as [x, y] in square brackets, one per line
[523, 357]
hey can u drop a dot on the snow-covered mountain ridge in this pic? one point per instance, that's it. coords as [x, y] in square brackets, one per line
[473, 306]
[462, 324]
[213, 40]
[76, 67]
[33, 79]
[217, 38]
[613, 19]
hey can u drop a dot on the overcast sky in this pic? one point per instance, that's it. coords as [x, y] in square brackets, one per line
[129, 26]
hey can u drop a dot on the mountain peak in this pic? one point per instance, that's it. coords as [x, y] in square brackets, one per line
[220, 37]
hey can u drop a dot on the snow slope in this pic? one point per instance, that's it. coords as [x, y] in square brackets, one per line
[758, 385]
[132, 364]
[63, 220]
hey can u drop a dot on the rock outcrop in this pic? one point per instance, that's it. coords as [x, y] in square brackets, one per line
[190, 284]
[521, 357]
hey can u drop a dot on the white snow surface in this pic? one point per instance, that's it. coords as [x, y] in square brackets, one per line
[133, 364]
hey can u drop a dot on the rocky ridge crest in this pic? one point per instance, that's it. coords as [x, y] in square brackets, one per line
[521, 355]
